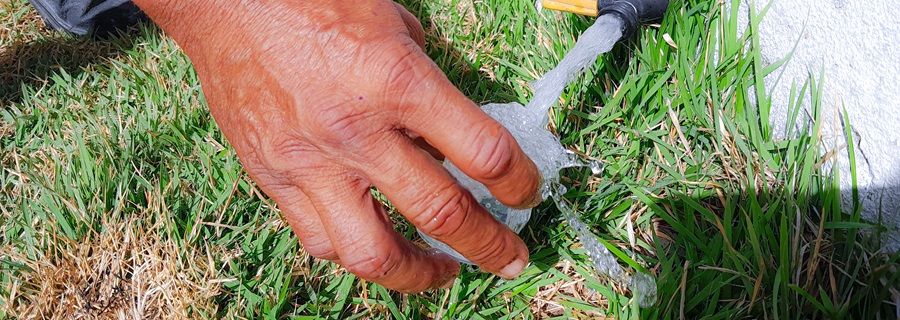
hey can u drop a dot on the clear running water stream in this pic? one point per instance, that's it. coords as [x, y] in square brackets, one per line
[528, 124]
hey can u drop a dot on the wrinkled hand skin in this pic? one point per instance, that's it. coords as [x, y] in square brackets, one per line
[323, 100]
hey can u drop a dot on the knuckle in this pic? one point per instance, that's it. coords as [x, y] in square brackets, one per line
[274, 182]
[446, 212]
[288, 154]
[406, 73]
[374, 266]
[340, 125]
[279, 175]
[290, 147]
[250, 152]
[493, 158]
[271, 156]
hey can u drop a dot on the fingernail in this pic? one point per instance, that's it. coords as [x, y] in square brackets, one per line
[538, 196]
[513, 269]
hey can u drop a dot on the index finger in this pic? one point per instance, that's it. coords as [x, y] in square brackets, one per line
[474, 142]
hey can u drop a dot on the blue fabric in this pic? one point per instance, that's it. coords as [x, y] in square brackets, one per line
[84, 17]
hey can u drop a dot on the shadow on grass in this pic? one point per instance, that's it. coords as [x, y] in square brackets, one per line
[777, 252]
[33, 63]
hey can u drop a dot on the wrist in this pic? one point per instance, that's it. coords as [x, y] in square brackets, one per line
[184, 20]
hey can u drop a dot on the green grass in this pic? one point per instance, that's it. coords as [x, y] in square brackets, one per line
[117, 185]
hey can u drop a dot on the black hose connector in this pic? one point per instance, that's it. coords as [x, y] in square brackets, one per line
[633, 13]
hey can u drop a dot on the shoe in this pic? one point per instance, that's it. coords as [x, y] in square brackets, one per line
[88, 17]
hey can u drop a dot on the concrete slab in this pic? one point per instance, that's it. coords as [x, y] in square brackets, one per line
[855, 45]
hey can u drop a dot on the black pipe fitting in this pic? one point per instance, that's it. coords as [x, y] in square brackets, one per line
[633, 13]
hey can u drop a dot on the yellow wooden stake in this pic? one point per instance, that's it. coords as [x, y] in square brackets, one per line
[582, 7]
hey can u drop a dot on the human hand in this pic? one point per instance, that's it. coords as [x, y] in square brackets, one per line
[324, 99]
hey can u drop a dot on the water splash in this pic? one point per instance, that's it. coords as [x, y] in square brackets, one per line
[528, 124]
[642, 285]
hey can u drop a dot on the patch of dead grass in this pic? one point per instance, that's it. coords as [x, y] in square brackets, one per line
[24, 20]
[548, 302]
[125, 271]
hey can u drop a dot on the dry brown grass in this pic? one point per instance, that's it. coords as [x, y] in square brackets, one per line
[24, 21]
[30, 51]
[548, 301]
[124, 271]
